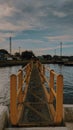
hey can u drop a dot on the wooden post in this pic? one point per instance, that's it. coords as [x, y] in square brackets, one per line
[28, 73]
[59, 100]
[20, 79]
[29, 68]
[44, 70]
[51, 86]
[43, 74]
[13, 100]
[39, 67]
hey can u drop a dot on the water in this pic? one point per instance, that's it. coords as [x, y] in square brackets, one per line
[5, 73]
[67, 72]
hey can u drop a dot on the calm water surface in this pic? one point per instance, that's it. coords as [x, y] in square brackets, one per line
[5, 73]
[67, 72]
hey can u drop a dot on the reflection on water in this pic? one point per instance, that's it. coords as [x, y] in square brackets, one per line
[5, 73]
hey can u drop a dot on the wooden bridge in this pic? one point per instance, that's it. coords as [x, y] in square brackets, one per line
[31, 102]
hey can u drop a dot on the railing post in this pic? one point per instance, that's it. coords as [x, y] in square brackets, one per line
[43, 74]
[30, 67]
[44, 70]
[59, 100]
[39, 66]
[51, 86]
[13, 99]
[20, 79]
[27, 73]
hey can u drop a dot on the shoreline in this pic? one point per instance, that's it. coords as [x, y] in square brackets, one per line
[12, 63]
[58, 62]
[9, 63]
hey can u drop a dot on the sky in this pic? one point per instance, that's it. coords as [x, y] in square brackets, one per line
[37, 25]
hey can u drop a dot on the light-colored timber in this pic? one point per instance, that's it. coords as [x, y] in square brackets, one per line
[31, 102]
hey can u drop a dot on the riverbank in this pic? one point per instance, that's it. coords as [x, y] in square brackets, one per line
[8, 63]
[67, 63]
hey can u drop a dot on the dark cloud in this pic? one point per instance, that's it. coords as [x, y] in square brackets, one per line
[54, 15]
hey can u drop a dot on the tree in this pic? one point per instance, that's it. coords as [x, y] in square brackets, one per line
[47, 57]
[3, 54]
[3, 51]
[27, 55]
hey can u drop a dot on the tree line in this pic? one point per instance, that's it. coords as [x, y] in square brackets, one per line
[26, 55]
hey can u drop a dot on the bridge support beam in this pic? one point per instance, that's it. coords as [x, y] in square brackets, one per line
[51, 86]
[13, 102]
[59, 100]
[20, 82]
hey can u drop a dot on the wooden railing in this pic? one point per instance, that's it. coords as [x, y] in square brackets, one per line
[18, 92]
[55, 86]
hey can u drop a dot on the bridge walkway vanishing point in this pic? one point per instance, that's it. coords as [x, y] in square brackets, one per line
[36, 107]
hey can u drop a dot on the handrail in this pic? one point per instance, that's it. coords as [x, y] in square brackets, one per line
[57, 94]
[47, 68]
[18, 92]
[53, 92]
[17, 95]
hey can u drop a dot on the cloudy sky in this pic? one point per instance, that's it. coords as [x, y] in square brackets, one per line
[37, 25]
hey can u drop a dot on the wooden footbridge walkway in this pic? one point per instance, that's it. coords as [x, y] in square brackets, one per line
[31, 103]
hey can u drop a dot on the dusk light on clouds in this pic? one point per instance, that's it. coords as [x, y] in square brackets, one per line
[37, 25]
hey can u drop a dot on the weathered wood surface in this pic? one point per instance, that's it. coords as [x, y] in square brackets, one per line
[36, 111]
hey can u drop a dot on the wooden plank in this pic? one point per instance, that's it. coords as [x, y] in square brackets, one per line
[25, 92]
[52, 111]
[13, 99]
[32, 124]
[38, 97]
[46, 93]
[20, 111]
[35, 103]
[59, 100]
[38, 113]
[53, 92]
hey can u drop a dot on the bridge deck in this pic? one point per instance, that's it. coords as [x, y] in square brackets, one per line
[36, 111]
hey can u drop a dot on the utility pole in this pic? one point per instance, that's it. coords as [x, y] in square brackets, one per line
[10, 45]
[19, 50]
[55, 51]
[60, 48]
